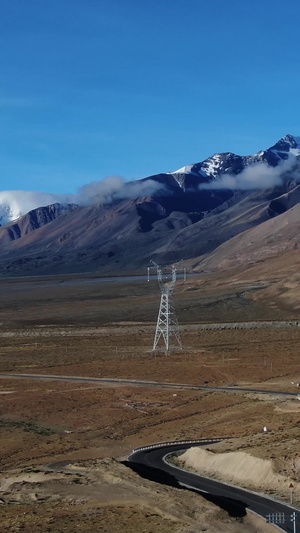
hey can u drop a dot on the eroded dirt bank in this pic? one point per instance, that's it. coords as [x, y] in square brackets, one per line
[105, 496]
[245, 470]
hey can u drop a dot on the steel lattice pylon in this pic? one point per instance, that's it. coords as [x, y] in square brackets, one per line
[167, 324]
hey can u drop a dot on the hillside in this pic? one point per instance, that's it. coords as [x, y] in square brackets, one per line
[224, 211]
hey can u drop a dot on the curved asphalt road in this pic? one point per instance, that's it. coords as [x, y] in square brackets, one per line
[149, 462]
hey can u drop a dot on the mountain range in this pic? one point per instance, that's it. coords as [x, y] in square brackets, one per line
[223, 211]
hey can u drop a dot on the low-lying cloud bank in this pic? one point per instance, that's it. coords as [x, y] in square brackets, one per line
[258, 176]
[114, 188]
[14, 204]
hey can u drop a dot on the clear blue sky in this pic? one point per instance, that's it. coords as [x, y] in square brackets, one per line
[91, 88]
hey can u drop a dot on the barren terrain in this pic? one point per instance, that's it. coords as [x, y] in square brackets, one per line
[85, 328]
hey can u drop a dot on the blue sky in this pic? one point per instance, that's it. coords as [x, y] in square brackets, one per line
[135, 87]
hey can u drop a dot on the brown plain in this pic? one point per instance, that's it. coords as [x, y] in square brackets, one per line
[78, 327]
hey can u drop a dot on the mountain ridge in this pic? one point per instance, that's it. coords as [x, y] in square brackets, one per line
[177, 220]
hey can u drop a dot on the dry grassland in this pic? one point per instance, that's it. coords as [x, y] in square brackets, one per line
[63, 327]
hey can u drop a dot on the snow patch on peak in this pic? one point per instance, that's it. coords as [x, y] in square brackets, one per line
[6, 214]
[295, 151]
[291, 139]
[297, 140]
[179, 178]
[14, 204]
[187, 169]
[211, 165]
[286, 143]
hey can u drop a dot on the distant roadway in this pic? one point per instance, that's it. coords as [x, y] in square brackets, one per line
[139, 383]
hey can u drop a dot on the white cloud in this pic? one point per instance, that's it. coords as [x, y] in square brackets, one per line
[14, 204]
[257, 176]
[114, 188]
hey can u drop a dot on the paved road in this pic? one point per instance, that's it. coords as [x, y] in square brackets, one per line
[150, 463]
[139, 383]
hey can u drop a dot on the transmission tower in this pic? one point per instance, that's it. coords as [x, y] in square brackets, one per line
[167, 325]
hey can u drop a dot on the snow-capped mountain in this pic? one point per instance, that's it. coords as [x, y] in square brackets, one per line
[14, 204]
[215, 166]
[6, 214]
[184, 214]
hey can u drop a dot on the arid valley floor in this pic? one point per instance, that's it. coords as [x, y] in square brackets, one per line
[235, 331]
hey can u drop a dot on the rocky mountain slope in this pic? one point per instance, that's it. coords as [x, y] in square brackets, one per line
[35, 219]
[191, 213]
[269, 239]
